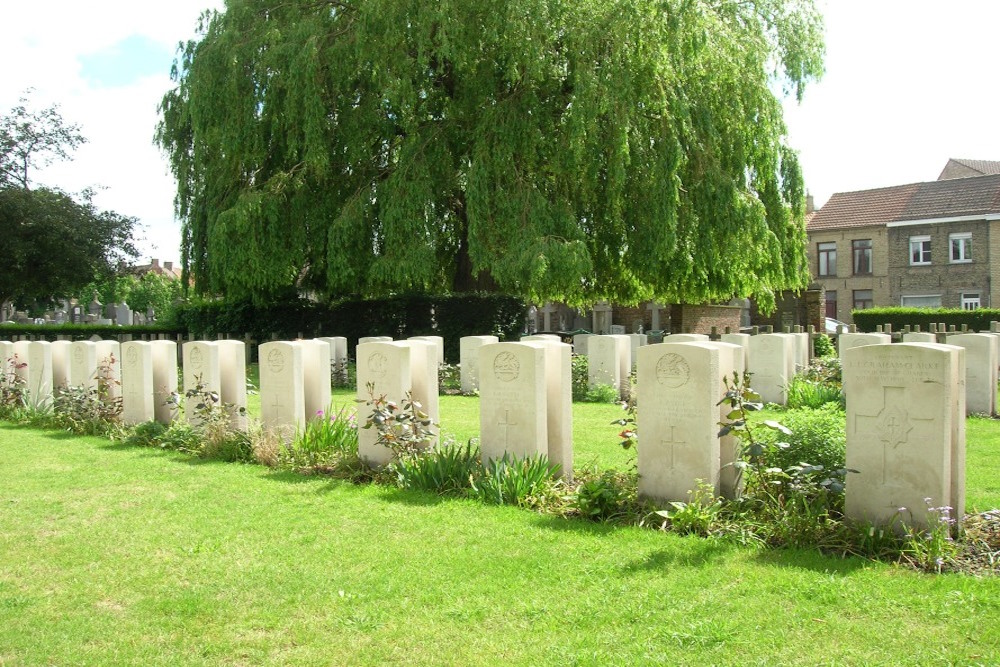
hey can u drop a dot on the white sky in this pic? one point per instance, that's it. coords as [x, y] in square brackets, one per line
[909, 84]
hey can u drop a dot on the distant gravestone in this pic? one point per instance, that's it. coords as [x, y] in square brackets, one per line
[138, 397]
[469, 360]
[802, 343]
[771, 357]
[123, 314]
[919, 337]
[282, 388]
[233, 380]
[618, 330]
[109, 366]
[163, 355]
[846, 341]
[374, 339]
[580, 343]
[731, 360]
[338, 357]
[680, 385]
[981, 351]
[424, 377]
[513, 401]
[202, 373]
[540, 337]
[385, 367]
[905, 431]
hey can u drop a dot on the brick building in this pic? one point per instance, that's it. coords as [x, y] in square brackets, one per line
[928, 244]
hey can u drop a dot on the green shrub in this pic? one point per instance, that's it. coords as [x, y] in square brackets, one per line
[976, 320]
[601, 498]
[446, 469]
[817, 438]
[602, 393]
[90, 410]
[580, 377]
[513, 481]
[146, 434]
[823, 346]
[804, 393]
[325, 438]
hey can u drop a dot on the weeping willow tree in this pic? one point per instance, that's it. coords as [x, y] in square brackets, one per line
[566, 150]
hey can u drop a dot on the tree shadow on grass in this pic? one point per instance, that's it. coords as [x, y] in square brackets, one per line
[812, 560]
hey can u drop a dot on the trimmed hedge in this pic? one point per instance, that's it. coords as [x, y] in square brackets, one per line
[83, 331]
[451, 317]
[975, 320]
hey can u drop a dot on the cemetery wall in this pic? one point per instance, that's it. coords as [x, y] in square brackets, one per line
[687, 318]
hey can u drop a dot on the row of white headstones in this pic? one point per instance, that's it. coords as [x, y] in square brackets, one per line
[905, 417]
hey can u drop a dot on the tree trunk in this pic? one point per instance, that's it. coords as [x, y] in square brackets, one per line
[465, 279]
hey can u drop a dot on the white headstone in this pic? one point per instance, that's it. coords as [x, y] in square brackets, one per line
[60, 363]
[771, 358]
[424, 377]
[604, 361]
[385, 367]
[138, 395]
[846, 341]
[513, 400]
[374, 339]
[233, 380]
[109, 367]
[338, 357]
[731, 360]
[282, 388]
[201, 369]
[438, 346]
[802, 343]
[163, 354]
[742, 340]
[981, 351]
[636, 341]
[540, 337]
[123, 314]
[580, 343]
[559, 405]
[469, 360]
[905, 431]
[678, 413]
[82, 370]
[919, 337]
[316, 378]
[37, 373]
[685, 338]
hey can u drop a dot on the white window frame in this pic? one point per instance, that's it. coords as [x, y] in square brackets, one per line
[902, 300]
[963, 248]
[972, 300]
[917, 244]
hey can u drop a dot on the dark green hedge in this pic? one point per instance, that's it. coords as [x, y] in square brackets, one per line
[82, 331]
[975, 320]
[400, 317]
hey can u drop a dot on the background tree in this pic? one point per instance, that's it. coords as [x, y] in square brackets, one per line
[553, 149]
[55, 242]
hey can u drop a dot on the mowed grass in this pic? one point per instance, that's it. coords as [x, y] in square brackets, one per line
[122, 556]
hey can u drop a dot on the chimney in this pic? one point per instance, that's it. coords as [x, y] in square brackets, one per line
[155, 263]
[810, 204]
[168, 267]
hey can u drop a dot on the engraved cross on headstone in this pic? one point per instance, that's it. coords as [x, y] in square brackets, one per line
[671, 444]
[506, 423]
[891, 424]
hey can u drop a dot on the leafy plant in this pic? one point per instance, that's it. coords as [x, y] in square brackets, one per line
[514, 481]
[343, 374]
[698, 516]
[329, 436]
[580, 377]
[805, 393]
[405, 430]
[13, 386]
[816, 437]
[601, 393]
[601, 498]
[212, 433]
[823, 346]
[448, 468]
[934, 548]
[449, 379]
[91, 410]
[146, 434]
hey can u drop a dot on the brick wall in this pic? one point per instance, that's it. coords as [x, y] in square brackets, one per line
[685, 318]
[941, 278]
[844, 283]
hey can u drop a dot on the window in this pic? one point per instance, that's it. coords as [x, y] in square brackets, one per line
[971, 301]
[921, 301]
[827, 254]
[831, 303]
[920, 250]
[961, 247]
[862, 258]
[863, 299]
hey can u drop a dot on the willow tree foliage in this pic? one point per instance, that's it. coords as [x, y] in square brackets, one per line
[554, 149]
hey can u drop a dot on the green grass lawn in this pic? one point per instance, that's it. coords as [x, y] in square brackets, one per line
[112, 555]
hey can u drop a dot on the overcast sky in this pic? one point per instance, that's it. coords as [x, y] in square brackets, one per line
[909, 84]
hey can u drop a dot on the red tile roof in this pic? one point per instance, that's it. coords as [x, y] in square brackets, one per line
[961, 168]
[916, 201]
